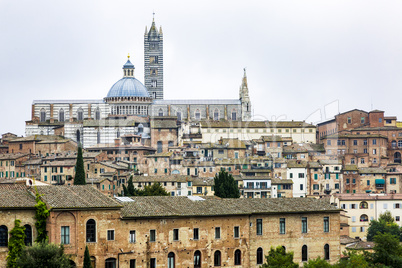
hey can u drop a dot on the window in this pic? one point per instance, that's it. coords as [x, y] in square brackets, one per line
[304, 224]
[354, 142]
[363, 218]
[282, 226]
[175, 234]
[110, 235]
[392, 180]
[363, 205]
[132, 263]
[160, 113]
[159, 146]
[171, 262]
[216, 114]
[132, 236]
[237, 257]
[362, 120]
[301, 175]
[326, 252]
[374, 151]
[326, 224]
[259, 226]
[28, 235]
[217, 258]
[197, 259]
[80, 114]
[196, 234]
[65, 235]
[61, 115]
[304, 253]
[197, 114]
[152, 235]
[349, 120]
[236, 232]
[234, 115]
[291, 175]
[260, 256]
[301, 187]
[374, 141]
[152, 263]
[397, 218]
[362, 160]
[110, 263]
[42, 115]
[364, 142]
[3, 236]
[91, 230]
[217, 232]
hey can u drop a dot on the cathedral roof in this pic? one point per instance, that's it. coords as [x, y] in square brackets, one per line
[128, 87]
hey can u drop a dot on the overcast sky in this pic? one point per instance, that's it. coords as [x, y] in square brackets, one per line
[305, 60]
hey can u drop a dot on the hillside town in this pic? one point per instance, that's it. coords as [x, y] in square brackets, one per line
[310, 188]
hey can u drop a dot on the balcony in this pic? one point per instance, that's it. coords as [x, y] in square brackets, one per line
[263, 187]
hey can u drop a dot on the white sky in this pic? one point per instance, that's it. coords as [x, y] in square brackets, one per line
[304, 59]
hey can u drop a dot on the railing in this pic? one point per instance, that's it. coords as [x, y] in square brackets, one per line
[256, 187]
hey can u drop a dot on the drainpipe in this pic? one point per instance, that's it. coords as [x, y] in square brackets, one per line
[121, 253]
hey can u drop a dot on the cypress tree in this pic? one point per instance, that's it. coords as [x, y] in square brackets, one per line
[130, 186]
[87, 259]
[16, 244]
[225, 185]
[79, 169]
[125, 191]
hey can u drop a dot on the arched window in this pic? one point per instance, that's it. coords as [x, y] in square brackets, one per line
[61, 115]
[260, 256]
[171, 262]
[400, 143]
[97, 114]
[179, 115]
[197, 259]
[72, 264]
[363, 205]
[3, 236]
[393, 144]
[93, 262]
[42, 115]
[110, 263]
[159, 147]
[234, 115]
[217, 258]
[91, 230]
[216, 114]
[160, 113]
[98, 137]
[80, 114]
[197, 114]
[304, 253]
[397, 157]
[363, 218]
[237, 257]
[28, 235]
[326, 252]
[140, 128]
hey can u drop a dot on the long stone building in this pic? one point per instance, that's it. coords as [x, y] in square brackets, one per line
[172, 231]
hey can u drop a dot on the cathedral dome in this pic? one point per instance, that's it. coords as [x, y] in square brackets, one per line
[128, 87]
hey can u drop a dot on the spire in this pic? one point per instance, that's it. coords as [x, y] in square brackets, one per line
[128, 68]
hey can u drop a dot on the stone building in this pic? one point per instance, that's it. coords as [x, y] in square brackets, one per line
[173, 231]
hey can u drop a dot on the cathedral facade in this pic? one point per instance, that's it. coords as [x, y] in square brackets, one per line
[129, 106]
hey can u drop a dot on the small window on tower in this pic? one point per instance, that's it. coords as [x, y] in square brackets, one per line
[154, 71]
[153, 59]
[154, 83]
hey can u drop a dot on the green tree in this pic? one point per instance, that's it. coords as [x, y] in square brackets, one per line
[353, 260]
[79, 178]
[317, 263]
[41, 215]
[279, 258]
[87, 258]
[42, 255]
[155, 189]
[16, 244]
[125, 191]
[387, 250]
[130, 186]
[385, 224]
[225, 185]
